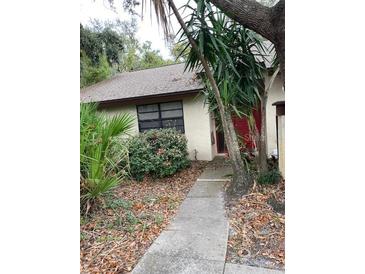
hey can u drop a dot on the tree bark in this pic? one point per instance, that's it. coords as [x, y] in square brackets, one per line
[263, 137]
[266, 21]
[241, 180]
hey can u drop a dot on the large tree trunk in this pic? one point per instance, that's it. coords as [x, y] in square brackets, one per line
[241, 179]
[266, 21]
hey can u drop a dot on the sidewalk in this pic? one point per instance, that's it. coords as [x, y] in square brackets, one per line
[196, 240]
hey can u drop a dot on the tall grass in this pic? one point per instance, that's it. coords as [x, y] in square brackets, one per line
[101, 153]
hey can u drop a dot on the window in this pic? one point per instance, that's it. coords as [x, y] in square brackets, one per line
[162, 115]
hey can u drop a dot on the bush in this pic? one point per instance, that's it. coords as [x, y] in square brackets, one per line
[158, 153]
[269, 178]
[99, 158]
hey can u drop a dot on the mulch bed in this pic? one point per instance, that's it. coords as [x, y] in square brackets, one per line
[257, 227]
[118, 233]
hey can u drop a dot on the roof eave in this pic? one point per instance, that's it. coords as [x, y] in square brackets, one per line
[137, 98]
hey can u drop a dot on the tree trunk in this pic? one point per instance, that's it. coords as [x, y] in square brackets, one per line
[266, 21]
[241, 180]
[263, 137]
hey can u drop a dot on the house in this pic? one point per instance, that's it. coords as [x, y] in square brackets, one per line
[166, 97]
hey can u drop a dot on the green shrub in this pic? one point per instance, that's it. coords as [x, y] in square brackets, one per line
[269, 178]
[159, 153]
[99, 160]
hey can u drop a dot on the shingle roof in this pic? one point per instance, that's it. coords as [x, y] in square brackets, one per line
[157, 81]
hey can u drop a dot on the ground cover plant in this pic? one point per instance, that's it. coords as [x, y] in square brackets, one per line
[101, 153]
[158, 153]
[115, 237]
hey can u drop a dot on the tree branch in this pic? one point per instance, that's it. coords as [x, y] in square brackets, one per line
[253, 15]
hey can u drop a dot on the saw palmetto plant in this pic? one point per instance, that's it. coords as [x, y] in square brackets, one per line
[99, 159]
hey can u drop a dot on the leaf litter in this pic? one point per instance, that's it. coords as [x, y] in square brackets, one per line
[257, 227]
[116, 236]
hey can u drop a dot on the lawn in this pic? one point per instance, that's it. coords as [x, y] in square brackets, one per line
[119, 232]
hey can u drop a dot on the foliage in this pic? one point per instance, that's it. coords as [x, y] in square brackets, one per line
[137, 57]
[108, 47]
[159, 153]
[232, 51]
[115, 203]
[269, 177]
[180, 51]
[102, 41]
[91, 74]
[99, 52]
[151, 58]
[99, 170]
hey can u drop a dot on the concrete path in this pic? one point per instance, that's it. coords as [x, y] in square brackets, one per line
[196, 240]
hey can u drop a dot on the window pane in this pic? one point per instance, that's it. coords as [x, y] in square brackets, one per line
[170, 105]
[171, 113]
[152, 124]
[172, 123]
[148, 116]
[180, 128]
[147, 108]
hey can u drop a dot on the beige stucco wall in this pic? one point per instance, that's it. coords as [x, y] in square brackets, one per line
[131, 109]
[281, 141]
[198, 129]
[197, 122]
[275, 94]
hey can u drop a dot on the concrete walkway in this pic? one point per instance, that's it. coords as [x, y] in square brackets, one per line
[196, 240]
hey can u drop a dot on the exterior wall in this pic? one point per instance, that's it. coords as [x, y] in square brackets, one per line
[275, 94]
[197, 122]
[131, 109]
[281, 141]
[198, 129]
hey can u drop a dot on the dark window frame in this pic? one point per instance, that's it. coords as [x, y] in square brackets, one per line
[160, 119]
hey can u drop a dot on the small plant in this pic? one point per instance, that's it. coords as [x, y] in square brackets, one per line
[117, 203]
[83, 236]
[159, 218]
[270, 177]
[99, 161]
[131, 218]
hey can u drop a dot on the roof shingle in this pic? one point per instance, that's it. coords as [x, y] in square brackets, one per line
[148, 82]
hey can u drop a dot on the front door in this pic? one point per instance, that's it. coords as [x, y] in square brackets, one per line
[242, 131]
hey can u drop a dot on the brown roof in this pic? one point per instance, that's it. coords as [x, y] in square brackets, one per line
[170, 79]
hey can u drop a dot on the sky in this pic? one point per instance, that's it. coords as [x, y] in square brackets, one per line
[147, 29]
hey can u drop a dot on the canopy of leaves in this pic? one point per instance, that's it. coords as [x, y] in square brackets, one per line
[111, 46]
[232, 51]
[96, 43]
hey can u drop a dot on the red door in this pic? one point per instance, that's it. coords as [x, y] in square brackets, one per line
[242, 130]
